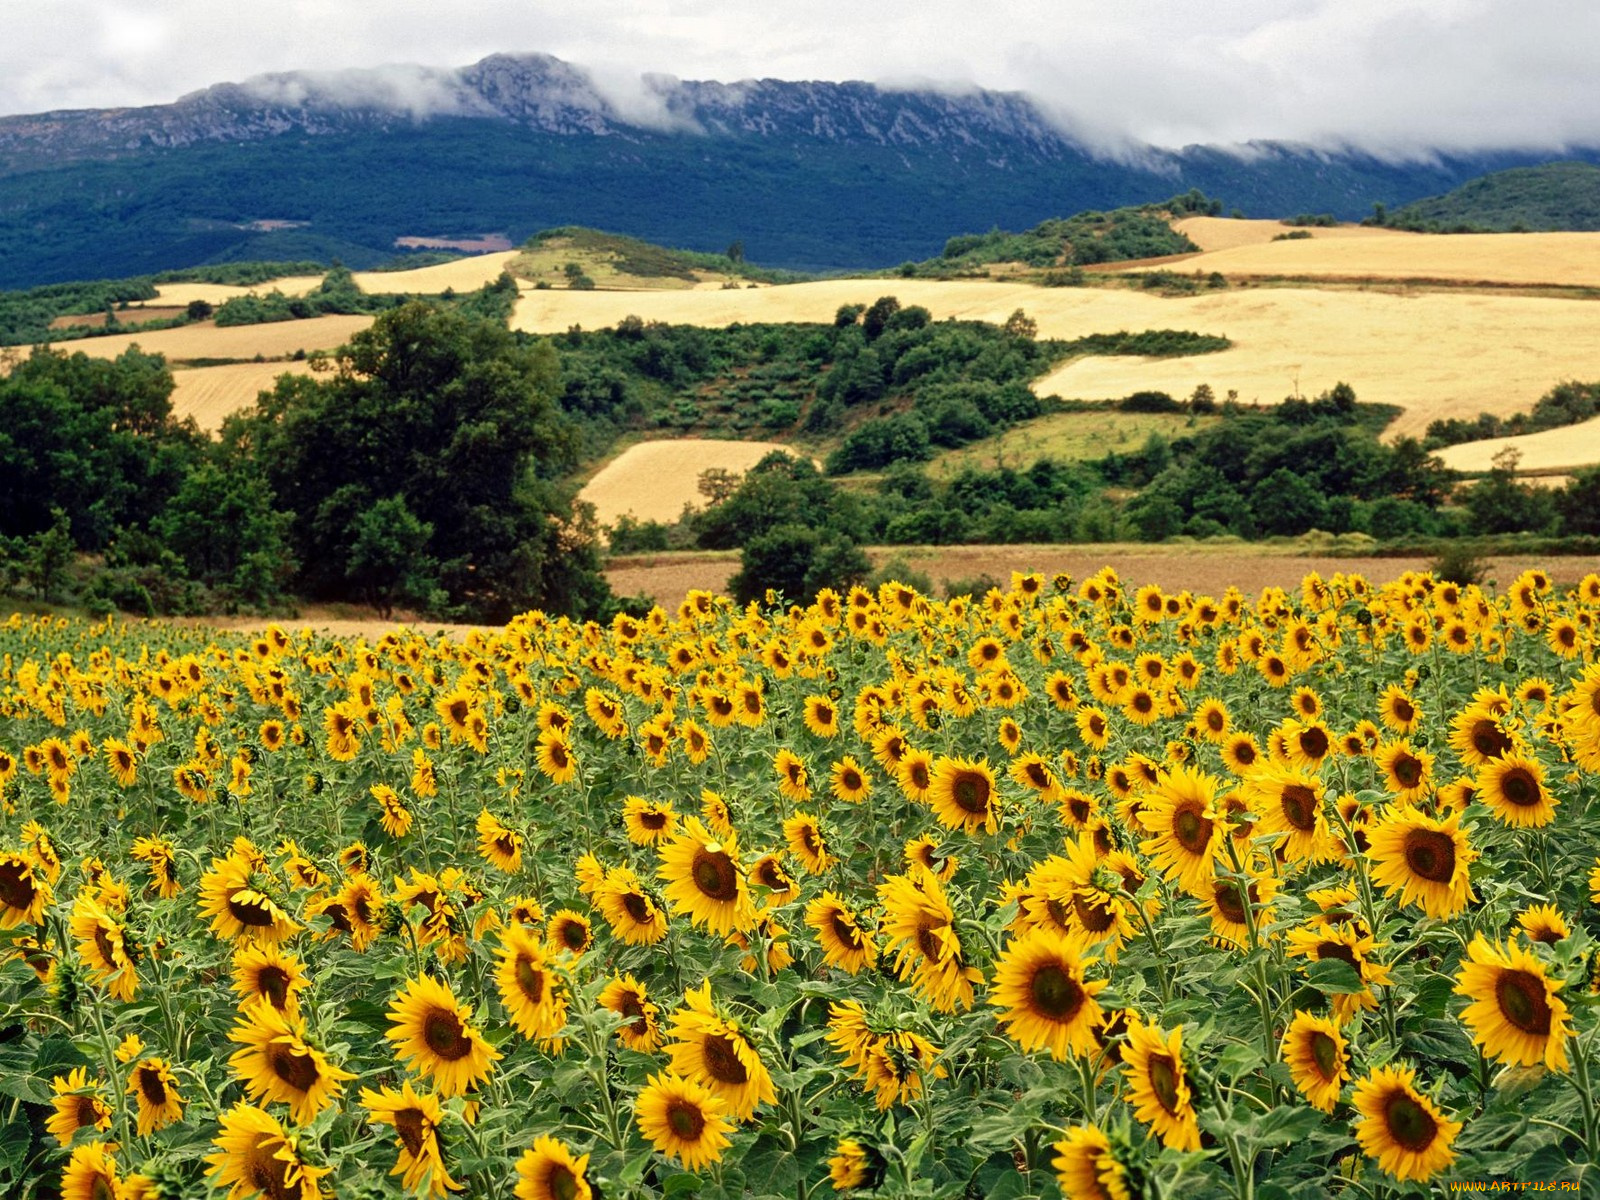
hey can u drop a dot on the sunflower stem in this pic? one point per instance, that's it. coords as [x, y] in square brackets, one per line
[1086, 1073]
[109, 1064]
[1591, 1135]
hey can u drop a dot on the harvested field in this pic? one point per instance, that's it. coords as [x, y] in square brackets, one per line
[1549, 450]
[279, 339]
[1525, 259]
[1225, 233]
[462, 274]
[1201, 568]
[1434, 354]
[132, 315]
[208, 394]
[652, 481]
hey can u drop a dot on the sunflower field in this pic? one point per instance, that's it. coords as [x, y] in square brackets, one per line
[1076, 889]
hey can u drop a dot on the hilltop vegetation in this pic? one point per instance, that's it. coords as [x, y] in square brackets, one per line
[600, 255]
[1080, 240]
[1555, 196]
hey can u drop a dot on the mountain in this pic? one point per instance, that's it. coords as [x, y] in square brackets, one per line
[812, 176]
[1558, 195]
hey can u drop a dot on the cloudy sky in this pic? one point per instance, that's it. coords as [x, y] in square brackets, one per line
[1395, 75]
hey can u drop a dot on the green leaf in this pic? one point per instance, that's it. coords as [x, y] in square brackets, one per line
[682, 1184]
[1334, 977]
[1284, 1126]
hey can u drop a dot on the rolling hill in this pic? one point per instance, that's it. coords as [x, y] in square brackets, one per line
[1554, 196]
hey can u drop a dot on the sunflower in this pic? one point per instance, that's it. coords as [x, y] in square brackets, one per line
[256, 1157]
[24, 891]
[276, 1064]
[1086, 1168]
[768, 872]
[822, 716]
[896, 1066]
[1349, 943]
[705, 879]
[238, 907]
[1513, 788]
[1038, 981]
[1182, 814]
[1225, 902]
[554, 757]
[91, 1174]
[76, 1106]
[845, 944]
[919, 927]
[431, 1035]
[1290, 801]
[852, 1165]
[533, 996]
[849, 782]
[641, 1029]
[648, 822]
[1543, 923]
[794, 781]
[1407, 771]
[1515, 1014]
[634, 914]
[152, 1086]
[1400, 1127]
[1318, 1059]
[1212, 720]
[416, 1118]
[803, 832]
[1477, 735]
[1241, 754]
[354, 910]
[1093, 728]
[1423, 859]
[498, 844]
[715, 1052]
[1158, 1085]
[548, 1171]
[1398, 710]
[268, 973]
[683, 1120]
[914, 774]
[962, 794]
[103, 945]
[570, 932]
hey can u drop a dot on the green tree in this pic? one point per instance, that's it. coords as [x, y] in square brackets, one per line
[389, 559]
[48, 558]
[456, 418]
[797, 561]
[223, 526]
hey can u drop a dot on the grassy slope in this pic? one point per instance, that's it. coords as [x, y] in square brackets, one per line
[1556, 196]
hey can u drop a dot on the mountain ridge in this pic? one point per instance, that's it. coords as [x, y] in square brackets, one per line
[808, 175]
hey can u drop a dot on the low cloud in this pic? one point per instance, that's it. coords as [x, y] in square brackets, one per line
[1395, 77]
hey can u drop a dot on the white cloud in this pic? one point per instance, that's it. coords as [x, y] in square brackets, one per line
[1396, 75]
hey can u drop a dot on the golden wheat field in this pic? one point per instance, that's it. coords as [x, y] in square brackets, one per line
[1431, 354]
[1225, 233]
[278, 339]
[208, 394]
[652, 481]
[1548, 450]
[1523, 259]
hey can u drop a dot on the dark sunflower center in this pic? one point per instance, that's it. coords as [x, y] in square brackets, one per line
[530, 980]
[1314, 742]
[17, 888]
[1431, 854]
[1520, 788]
[1338, 950]
[1214, 720]
[102, 1189]
[1403, 710]
[562, 1182]
[1546, 934]
[929, 943]
[918, 774]
[1163, 1070]
[715, 876]
[685, 1120]
[1055, 993]
[558, 755]
[151, 1087]
[845, 930]
[638, 907]
[443, 1034]
[653, 820]
[1094, 915]
[87, 1112]
[1521, 995]
[809, 838]
[1245, 753]
[296, 1068]
[1407, 770]
[850, 780]
[1192, 830]
[1409, 1123]
[574, 936]
[273, 983]
[408, 1124]
[1143, 702]
[257, 914]
[104, 944]
[1230, 903]
[722, 1060]
[1300, 806]
[1488, 740]
[1038, 777]
[1325, 1053]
